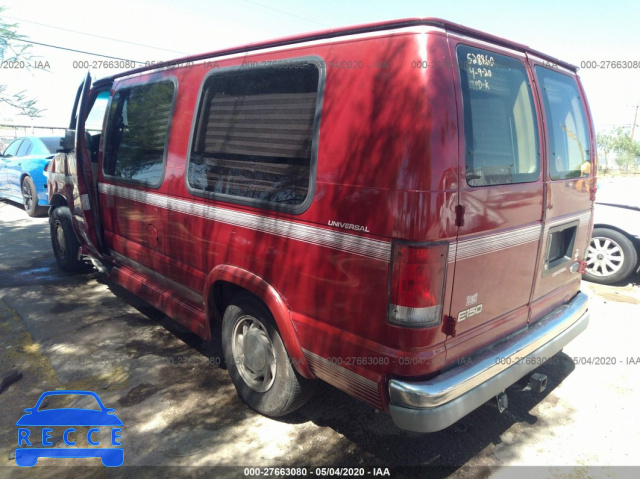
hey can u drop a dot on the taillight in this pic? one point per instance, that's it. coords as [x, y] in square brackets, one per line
[416, 291]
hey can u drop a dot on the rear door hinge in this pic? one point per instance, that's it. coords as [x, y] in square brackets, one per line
[449, 326]
[459, 215]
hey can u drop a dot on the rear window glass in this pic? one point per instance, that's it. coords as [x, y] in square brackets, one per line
[569, 155]
[499, 119]
[254, 135]
[52, 144]
[137, 132]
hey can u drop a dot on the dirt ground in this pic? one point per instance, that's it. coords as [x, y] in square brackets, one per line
[182, 417]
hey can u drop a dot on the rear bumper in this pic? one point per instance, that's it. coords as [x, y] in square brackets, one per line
[433, 405]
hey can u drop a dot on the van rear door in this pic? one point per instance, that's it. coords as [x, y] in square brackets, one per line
[501, 192]
[570, 186]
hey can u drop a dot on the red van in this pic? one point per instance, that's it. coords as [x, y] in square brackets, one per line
[400, 209]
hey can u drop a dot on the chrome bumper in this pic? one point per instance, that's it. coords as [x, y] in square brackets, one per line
[433, 405]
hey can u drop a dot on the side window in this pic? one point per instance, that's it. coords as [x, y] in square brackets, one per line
[500, 124]
[93, 124]
[569, 155]
[138, 131]
[253, 138]
[25, 148]
[94, 120]
[12, 149]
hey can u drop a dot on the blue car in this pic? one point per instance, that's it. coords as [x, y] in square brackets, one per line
[37, 427]
[23, 175]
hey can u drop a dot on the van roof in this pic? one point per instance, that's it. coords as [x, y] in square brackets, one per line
[352, 30]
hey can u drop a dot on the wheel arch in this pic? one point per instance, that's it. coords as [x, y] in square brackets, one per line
[225, 281]
[57, 200]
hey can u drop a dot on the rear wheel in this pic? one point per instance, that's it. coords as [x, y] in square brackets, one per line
[611, 257]
[64, 241]
[257, 359]
[30, 198]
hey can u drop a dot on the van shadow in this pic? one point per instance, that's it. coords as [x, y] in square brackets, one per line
[383, 443]
[361, 436]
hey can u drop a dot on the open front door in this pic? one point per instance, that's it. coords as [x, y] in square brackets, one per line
[89, 109]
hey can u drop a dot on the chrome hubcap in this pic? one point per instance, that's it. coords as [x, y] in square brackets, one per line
[605, 257]
[253, 354]
[59, 231]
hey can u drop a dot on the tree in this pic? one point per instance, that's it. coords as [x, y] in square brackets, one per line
[625, 148]
[604, 143]
[619, 141]
[14, 47]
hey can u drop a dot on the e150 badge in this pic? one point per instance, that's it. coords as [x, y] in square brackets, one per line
[469, 312]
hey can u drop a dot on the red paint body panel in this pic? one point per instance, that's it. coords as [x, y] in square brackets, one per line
[390, 160]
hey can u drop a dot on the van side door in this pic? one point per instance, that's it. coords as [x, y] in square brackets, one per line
[132, 173]
[500, 195]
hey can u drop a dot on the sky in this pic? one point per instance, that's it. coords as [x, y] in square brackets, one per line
[154, 30]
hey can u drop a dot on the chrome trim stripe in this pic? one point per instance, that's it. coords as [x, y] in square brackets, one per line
[495, 242]
[453, 250]
[343, 378]
[491, 243]
[583, 219]
[458, 381]
[349, 243]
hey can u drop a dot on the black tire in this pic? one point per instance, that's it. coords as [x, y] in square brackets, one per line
[611, 257]
[265, 378]
[64, 242]
[30, 198]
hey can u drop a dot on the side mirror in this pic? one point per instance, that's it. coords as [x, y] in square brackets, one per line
[67, 142]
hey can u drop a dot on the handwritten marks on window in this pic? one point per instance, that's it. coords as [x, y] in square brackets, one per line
[479, 71]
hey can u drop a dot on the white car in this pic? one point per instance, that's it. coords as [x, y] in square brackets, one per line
[615, 242]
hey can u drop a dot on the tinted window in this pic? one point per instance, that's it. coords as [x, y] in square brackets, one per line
[51, 144]
[137, 132]
[569, 155]
[25, 148]
[499, 119]
[12, 149]
[254, 134]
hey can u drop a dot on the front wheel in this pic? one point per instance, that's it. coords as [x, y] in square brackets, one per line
[64, 241]
[611, 257]
[257, 359]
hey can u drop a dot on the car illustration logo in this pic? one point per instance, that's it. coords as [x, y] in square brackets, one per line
[96, 420]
